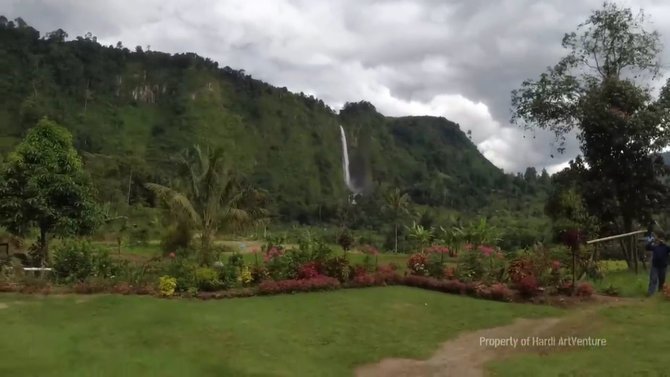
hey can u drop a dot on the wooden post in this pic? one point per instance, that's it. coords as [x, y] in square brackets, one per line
[574, 269]
[633, 247]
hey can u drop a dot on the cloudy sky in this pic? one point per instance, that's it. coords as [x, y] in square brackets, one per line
[454, 58]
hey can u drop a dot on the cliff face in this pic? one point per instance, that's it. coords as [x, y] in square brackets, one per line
[133, 110]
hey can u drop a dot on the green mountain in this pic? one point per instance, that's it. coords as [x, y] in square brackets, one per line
[129, 111]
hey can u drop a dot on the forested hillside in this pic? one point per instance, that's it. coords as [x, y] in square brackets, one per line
[130, 111]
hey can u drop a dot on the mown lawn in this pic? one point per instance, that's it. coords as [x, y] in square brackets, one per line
[616, 274]
[324, 334]
[637, 345]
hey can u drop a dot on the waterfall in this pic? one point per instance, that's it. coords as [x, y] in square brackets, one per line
[345, 160]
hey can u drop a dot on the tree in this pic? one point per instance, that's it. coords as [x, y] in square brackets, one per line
[58, 35]
[44, 186]
[530, 175]
[210, 196]
[597, 90]
[397, 206]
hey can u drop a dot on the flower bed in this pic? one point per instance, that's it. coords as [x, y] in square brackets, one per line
[482, 272]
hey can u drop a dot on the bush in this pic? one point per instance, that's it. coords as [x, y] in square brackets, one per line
[294, 285]
[435, 264]
[277, 263]
[417, 264]
[449, 273]
[454, 286]
[470, 266]
[584, 289]
[528, 286]
[500, 292]
[337, 268]
[245, 276]
[364, 280]
[519, 269]
[308, 270]
[207, 279]
[74, 261]
[183, 270]
[425, 282]
[259, 274]
[167, 285]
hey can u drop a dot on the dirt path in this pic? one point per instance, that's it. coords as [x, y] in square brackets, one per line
[467, 355]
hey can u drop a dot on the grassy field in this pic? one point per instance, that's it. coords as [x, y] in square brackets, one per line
[325, 334]
[637, 345]
[629, 283]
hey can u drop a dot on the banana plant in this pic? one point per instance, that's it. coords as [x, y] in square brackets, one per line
[420, 234]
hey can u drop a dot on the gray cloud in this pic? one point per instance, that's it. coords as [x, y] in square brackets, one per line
[458, 59]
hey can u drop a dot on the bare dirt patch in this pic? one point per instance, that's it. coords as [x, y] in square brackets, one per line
[3, 305]
[465, 356]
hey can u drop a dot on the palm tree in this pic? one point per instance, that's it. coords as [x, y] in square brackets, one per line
[210, 196]
[397, 206]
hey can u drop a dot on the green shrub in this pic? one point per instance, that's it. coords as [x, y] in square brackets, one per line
[183, 270]
[76, 260]
[167, 285]
[207, 279]
[470, 266]
[228, 275]
[73, 261]
[337, 268]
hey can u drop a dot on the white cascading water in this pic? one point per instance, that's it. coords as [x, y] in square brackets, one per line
[345, 160]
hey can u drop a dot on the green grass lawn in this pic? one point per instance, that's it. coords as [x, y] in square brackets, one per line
[637, 345]
[325, 334]
[629, 283]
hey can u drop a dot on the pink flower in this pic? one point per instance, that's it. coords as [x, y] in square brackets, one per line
[172, 255]
[555, 265]
[486, 250]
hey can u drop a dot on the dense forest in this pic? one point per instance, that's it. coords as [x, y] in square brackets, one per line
[130, 111]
